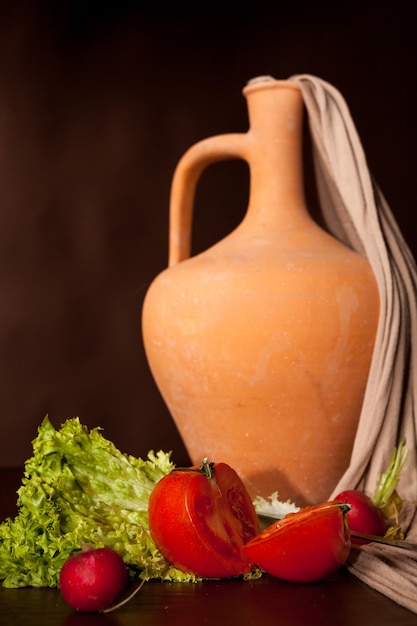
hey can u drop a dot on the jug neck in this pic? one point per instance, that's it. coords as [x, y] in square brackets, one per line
[275, 111]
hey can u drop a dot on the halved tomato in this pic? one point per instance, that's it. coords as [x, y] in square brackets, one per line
[306, 546]
[201, 517]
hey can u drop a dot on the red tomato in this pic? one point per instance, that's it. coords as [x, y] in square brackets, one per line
[303, 547]
[200, 519]
[364, 516]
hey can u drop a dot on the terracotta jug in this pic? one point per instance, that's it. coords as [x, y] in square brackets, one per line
[261, 345]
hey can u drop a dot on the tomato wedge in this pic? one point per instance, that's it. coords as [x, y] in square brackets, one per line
[201, 517]
[306, 546]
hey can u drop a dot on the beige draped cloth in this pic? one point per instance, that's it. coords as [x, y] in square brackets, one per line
[356, 212]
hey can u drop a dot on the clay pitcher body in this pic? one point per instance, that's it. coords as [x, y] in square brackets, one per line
[261, 345]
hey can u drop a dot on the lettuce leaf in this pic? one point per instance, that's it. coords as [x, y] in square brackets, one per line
[77, 489]
[273, 507]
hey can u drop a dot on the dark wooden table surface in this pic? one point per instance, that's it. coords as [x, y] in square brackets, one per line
[341, 601]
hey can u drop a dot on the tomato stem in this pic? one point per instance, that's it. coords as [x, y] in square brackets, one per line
[206, 468]
[344, 507]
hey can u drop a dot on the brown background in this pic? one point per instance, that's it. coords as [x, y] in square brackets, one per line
[98, 101]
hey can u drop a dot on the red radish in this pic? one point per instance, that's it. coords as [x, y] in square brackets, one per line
[370, 515]
[92, 579]
[364, 516]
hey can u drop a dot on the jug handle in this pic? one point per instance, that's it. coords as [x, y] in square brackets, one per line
[184, 183]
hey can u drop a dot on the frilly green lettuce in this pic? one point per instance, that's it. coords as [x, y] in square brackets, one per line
[77, 489]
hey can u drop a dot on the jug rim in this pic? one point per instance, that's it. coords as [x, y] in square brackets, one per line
[268, 82]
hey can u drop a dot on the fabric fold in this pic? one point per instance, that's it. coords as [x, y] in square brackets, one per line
[356, 212]
[390, 570]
